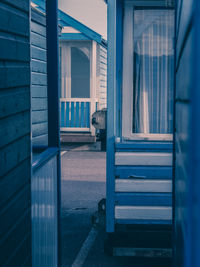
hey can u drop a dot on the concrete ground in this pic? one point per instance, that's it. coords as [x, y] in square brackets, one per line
[83, 186]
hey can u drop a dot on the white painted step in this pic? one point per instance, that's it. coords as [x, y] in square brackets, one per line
[143, 213]
[143, 159]
[143, 185]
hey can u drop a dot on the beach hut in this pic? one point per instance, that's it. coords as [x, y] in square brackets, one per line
[83, 68]
[29, 148]
[140, 114]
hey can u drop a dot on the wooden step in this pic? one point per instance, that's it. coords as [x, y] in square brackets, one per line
[77, 138]
[143, 185]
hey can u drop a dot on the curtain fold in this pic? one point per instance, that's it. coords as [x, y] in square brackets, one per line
[153, 71]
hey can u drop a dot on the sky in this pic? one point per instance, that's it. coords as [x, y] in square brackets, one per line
[92, 13]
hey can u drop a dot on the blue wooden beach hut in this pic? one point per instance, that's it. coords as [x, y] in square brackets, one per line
[83, 67]
[29, 148]
[186, 135]
[83, 75]
[140, 113]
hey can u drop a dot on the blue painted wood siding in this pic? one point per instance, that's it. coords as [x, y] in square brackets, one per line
[15, 145]
[103, 77]
[39, 79]
[187, 144]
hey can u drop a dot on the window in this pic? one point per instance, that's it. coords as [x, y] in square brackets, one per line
[76, 69]
[148, 67]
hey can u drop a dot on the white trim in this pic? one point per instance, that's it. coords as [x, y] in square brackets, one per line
[143, 159]
[93, 82]
[67, 92]
[77, 99]
[74, 129]
[143, 185]
[127, 84]
[141, 136]
[143, 213]
[68, 29]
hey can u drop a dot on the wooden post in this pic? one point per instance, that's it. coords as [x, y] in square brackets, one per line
[93, 83]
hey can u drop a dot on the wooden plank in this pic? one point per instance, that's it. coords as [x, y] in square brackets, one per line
[38, 66]
[39, 91]
[13, 49]
[147, 172]
[38, 53]
[14, 76]
[20, 5]
[41, 140]
[14, 127]
[13, 22]
[39, 116]
[67, 114]
[16, 238]
[38, 17]
[77, 115]
[144, 146]
[72, 115]
[13, 101]
[19, 202]
[14, 181]
[143, 185]
[143, 213]
[74, 129]
[38, 28]
[82, 115]
[143, 159]
[38, 40]
[38, 78]
[15, 139]
[62, 114]
[39, 129]
[143, 199]
[25, 249]
[87, 115]
[14, 153]
[39, 103]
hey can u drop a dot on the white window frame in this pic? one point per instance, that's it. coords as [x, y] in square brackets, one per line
[127, 84]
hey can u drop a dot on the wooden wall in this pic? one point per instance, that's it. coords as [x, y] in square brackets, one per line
[39, 79]
[15, 148]
[103, 78]
[183, 108]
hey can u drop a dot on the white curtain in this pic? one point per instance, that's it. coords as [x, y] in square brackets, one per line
[153, 71]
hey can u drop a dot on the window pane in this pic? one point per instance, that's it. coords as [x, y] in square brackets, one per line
[153, 71]
[80, 72]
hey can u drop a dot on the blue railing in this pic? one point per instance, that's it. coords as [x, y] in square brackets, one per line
[75, 113]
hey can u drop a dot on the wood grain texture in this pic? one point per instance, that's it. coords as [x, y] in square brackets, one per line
[15, 147]
[39, 79]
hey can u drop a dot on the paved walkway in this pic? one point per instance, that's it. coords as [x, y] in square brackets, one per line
[83, 186]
